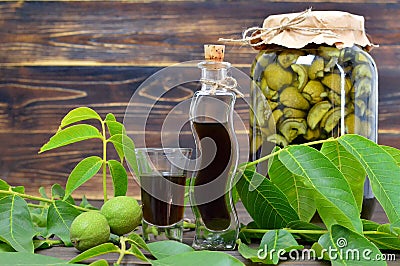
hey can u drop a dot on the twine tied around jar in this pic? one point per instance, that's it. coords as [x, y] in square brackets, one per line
[228, 83]
[313, 26]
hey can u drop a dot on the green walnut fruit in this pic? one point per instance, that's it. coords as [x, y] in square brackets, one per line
[291, 97]
[315, 91]
[89, 229]
[288, 57]
[277, 77]
[123, 214]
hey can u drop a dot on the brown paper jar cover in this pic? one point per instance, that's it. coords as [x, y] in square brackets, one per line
[296, 30]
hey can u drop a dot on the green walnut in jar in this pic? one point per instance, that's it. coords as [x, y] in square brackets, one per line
[312, 79]
[315, 98]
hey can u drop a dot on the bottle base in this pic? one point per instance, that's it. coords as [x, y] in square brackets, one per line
[171, 232]
[215, 240]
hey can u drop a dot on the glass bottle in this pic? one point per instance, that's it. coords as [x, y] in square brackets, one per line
[211, 117]
[313, 93]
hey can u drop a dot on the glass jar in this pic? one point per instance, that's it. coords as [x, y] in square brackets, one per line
[211, 117]
[313, 93]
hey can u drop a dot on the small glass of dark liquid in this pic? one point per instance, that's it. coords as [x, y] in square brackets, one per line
[162, 182]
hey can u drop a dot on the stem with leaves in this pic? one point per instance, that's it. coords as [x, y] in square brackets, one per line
[187, 225]
[70, 131]
[302, 231]
[103, 127]
[271, 155]
[35, 198]
[122, 250]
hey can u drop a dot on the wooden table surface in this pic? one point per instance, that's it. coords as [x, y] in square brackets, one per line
[68, 253]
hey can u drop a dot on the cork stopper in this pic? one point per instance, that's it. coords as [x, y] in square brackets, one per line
[214, 52]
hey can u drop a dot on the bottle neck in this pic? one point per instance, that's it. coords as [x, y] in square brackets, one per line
[213, 72]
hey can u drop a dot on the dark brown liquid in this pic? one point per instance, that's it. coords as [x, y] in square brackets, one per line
[368, 207]
[214, 214]
[163, 202]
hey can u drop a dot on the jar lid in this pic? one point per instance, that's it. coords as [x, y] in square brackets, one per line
[296, 30]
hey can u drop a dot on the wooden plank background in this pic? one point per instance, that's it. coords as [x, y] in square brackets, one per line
[58, 55]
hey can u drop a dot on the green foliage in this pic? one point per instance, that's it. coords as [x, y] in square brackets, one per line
[101, 262]
[199, 258]
[123, 143]
[166, 252]
[342, 242]
[59, 218]
[102, 249]
[264, 201]
[138, 241]
[69, 132]
[5, 186]
[135, 251]
[22, 258]
[25, 226]
[119, 178]
[271, 242]
[300, 195]
[395, 153]
[21, 225]
[333, 197]
[279, 239]
[85, 204]
[77, 115]
[333, 178]
[163, 249]
[82, 172]
[71, 135]
[382, 169]
[249, 253]
[352, 170]
[58, 193]
[384, 236]
[308, 228]
[135, 241]
[16, 227]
